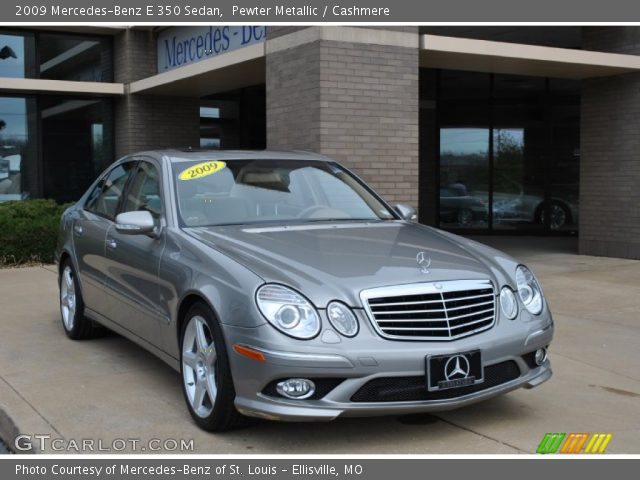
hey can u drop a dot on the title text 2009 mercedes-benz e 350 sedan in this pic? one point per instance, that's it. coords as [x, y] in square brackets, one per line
[282, 287]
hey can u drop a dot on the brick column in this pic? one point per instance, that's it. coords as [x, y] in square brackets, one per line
[610, 152]
[350, 93]
[145, 122]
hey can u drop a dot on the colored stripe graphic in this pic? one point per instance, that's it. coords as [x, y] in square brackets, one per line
[581, 442]
[574, 442]
[550, 442]
[598, 443]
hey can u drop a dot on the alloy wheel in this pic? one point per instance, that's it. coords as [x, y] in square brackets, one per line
[68, 298]
[199, 358]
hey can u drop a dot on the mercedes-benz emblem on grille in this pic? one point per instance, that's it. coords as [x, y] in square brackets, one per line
[457, 367]
[424, 262]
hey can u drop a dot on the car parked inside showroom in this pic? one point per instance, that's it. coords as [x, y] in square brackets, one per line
[281, 286]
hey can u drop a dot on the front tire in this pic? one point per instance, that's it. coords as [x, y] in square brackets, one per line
[75, 324]
[206, 375]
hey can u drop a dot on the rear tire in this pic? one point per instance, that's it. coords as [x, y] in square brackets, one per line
[75, 324]
[207, 384]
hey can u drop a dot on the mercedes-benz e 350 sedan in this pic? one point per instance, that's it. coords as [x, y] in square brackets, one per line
[281, 286]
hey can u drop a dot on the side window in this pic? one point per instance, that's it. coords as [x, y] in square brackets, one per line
[105, 197]
[144, 191]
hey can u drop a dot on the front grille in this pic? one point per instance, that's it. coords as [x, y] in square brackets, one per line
[412, 389]
[432, 311]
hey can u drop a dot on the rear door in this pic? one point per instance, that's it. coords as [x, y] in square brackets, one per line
[90, 231]
[133, 261]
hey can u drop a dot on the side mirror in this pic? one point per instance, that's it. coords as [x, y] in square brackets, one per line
[406, 212]
[135, 223]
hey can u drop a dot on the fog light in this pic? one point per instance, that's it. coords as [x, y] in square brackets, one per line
[541, 356]
[297, 388]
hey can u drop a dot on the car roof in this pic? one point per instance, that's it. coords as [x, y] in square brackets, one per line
[177, 156]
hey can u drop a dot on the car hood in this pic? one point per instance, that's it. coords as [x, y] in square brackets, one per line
[328, 261]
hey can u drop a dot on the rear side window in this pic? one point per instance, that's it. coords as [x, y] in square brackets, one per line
[106, 196]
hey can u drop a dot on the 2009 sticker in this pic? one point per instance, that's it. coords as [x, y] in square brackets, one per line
[201, 170]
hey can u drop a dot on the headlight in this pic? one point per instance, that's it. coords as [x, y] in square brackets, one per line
[288, 311]
[528, 289]
[342, 319]
[508, 303]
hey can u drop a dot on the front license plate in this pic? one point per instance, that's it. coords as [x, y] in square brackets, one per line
[454, 370]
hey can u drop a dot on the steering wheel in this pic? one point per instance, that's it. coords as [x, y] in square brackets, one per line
[320, 211]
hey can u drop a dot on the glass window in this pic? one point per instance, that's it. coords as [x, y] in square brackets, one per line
[18, 148]
[456, 85]
[246, 192]
[219, 124]
[144, 191]
[104, 199]
[77, 144]
[209, 112]
[519, 88]
[17, 55]
[77, 58]
[464, 177]
[509, 151]
[519, 156]
[59, 56]
[235, 119]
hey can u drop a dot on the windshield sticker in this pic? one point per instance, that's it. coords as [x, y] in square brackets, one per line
[201, 170]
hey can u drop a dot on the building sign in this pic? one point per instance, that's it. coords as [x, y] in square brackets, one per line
[180, 46]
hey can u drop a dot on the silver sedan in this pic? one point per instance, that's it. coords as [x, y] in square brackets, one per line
[281, 286]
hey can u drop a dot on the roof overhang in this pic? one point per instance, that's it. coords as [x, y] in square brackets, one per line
[240, 68]
[33, 85]
[500, 57]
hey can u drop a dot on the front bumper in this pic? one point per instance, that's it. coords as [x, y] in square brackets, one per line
[357, 362]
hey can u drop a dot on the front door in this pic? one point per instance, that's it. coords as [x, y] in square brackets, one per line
[90, 233]
[133, 261]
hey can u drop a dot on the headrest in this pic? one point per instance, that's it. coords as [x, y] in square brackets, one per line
[264, 179]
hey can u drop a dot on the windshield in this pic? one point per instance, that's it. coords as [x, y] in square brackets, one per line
[258, 191]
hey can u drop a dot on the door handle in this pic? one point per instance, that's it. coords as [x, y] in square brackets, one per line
[111, 243]
[77, 229]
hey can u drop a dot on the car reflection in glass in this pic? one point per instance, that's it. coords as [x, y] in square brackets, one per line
[462, 209]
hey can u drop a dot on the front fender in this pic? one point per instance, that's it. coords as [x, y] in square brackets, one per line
[189, 268]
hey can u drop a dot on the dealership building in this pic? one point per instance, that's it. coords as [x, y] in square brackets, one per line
[494, 129]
